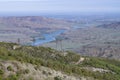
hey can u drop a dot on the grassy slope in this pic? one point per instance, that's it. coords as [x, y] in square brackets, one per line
[48, 57]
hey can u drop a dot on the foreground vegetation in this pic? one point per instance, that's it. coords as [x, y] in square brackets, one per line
[59, 61]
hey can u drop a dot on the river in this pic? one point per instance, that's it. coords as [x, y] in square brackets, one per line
[51, 36]
[47, 38]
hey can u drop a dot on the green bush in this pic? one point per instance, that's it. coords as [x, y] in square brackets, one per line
[1, 72]
[9, 68]
[57, 78]
[12, 77]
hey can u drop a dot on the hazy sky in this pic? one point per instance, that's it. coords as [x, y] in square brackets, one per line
[59, 6]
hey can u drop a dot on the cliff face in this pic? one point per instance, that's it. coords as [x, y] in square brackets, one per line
[40, 63]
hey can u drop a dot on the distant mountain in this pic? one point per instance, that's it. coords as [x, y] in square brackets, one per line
[35, 22]
[114, 25]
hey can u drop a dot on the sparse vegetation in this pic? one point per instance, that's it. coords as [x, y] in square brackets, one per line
[41, 56]
[12, 77]
[98, 41]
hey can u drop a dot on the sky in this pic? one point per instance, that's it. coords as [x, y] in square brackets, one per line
[59, 6]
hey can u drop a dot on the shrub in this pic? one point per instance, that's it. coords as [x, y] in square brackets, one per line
[9, 68]
[26, 71]
[37, 67]
[44, 72]
[12, 77]
[57, 78]
[1, 72]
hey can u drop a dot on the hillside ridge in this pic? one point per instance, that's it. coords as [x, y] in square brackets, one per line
[24, 61]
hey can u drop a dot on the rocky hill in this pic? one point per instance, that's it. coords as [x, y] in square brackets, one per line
[39, 63]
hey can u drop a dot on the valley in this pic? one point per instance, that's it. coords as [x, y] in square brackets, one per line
[88, 36]
[59, 39]
[27, 28]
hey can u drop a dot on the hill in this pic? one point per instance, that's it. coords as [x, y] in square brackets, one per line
[113, 25]
[92, 41]
[28, 27]
[39, 63]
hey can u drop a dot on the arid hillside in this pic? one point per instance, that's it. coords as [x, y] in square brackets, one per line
[26, 28]
[100, 41]
[39, 63]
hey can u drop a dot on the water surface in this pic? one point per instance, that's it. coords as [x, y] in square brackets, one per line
[47, 37]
